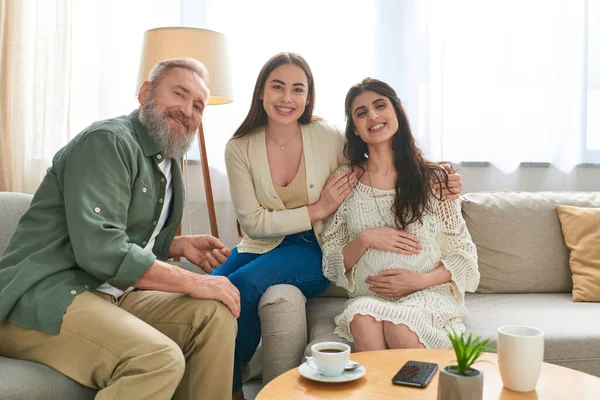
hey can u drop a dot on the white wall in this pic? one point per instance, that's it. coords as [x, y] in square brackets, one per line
[530, 179]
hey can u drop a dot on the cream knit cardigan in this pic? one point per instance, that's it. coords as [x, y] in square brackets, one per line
[259, 209]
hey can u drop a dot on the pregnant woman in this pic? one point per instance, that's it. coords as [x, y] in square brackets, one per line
[398, 298]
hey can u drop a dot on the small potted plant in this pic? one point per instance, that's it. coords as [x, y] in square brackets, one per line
[461, 381]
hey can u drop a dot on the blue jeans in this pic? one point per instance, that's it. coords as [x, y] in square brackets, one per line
[296, 261]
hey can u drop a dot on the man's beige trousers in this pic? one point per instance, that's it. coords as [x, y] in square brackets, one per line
[145, 345]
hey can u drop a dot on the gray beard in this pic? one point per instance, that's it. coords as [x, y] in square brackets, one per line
[159, 129]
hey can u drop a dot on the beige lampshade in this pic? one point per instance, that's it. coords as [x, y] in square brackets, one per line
[208, 47]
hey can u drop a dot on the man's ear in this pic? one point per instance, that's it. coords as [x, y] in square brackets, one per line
[144, 93]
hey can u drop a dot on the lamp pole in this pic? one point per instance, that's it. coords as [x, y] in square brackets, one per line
[210, 204]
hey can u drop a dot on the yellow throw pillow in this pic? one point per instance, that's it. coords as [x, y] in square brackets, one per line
[581, 229]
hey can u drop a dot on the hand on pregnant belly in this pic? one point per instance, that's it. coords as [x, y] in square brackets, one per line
[395, 282]
[391, 239]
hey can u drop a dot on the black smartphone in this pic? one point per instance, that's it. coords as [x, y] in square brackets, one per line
[415, 373]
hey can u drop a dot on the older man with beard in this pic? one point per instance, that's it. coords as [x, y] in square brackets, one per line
[84, 283]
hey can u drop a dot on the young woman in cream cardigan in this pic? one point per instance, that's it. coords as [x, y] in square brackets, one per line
[398, 299]
[280, 164]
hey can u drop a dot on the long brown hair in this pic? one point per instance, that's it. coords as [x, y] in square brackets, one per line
[416, 174]
[257, 116]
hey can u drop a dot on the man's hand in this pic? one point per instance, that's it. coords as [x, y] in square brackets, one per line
[205, 251]
[218, 288]
[395, 282]
[391, 239]
[170, 278]
[455, 184]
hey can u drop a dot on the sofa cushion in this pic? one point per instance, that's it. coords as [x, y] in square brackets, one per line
[335, 291]
[26, 380]
[581, 228]
[320, 313]
[519, 240]
[572, 330]
[572, 337]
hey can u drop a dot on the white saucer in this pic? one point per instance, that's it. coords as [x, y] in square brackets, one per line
[346, 376]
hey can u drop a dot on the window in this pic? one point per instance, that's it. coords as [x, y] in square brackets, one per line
[495, 81]
[592, 143]
[106, 55]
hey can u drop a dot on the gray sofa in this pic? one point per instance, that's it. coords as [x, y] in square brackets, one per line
[25, 380]
[525, 279]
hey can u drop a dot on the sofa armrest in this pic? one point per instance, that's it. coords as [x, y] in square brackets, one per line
[12, 207]
[282, 312]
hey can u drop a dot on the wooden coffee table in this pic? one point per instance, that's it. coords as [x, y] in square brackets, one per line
[555, 382]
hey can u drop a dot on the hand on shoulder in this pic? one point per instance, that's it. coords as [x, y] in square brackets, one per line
[336, 189]
[455, 184]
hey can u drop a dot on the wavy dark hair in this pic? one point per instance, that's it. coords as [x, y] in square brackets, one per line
[257, 116]
[416, 174]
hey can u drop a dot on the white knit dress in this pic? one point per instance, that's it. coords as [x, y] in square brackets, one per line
[444, 237]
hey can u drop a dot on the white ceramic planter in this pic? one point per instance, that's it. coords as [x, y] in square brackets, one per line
[453, 386]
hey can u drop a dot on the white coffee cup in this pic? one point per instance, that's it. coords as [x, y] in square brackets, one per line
[329, 358]
[520, 356]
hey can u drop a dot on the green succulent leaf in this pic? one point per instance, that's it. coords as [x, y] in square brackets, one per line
[467, 349]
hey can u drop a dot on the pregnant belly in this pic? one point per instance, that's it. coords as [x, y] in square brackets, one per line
[374, 261]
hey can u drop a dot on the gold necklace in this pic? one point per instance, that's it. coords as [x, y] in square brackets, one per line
[283, 145]
[375, 198]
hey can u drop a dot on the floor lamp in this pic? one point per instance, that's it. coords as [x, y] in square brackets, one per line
[208, 47]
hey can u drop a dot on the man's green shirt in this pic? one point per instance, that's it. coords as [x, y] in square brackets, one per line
[88, 223]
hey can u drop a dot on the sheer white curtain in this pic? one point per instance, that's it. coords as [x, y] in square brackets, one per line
[593, 81]
[496, 81]
[503, 82]
[34, 70]
[500, 82]
[65, 64]
[107, 42]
